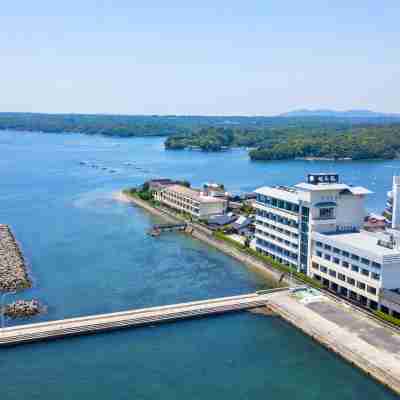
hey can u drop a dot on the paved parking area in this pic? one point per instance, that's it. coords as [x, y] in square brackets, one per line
[355, 322]
[348, 332]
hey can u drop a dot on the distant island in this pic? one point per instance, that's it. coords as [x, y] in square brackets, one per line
[326, 113]
[334, 141]
[305, 134]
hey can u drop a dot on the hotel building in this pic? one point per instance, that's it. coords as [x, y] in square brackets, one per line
[191, 201]
[317, 228]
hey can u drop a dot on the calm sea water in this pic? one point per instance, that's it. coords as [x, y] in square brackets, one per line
[90, 254]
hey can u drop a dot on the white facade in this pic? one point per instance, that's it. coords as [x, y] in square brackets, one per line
[317, 228]
[191, 201]
[396, 202]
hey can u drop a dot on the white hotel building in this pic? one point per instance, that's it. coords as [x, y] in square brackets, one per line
[194, 202]
[317, 228]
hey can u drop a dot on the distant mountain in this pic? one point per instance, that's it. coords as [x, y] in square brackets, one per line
[338, 114]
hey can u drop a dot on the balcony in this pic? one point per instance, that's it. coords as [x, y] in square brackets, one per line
[323, 220]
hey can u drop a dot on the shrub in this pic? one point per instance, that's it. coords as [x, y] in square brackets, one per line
[270, 261]
[387, 317]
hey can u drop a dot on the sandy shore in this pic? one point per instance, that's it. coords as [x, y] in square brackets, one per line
[121, 196]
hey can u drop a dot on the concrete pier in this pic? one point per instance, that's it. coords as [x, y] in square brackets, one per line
[362, 341]
[97, 323]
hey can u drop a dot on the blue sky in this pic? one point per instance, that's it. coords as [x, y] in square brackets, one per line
[211, 57]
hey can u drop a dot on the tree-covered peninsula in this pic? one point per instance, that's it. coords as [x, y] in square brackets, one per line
[332, 141]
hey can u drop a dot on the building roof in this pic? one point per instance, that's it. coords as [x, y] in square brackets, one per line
[221, 220]
[309, 187]
[365, 241]
[194, 194]
[242, 222]
[358, 190]
[281, 192]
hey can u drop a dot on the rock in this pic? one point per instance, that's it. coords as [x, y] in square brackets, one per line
[23, 308]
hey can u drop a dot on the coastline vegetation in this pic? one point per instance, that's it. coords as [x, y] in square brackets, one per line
[388, 318]
[268, 260]
[269, 138]
[335, 141]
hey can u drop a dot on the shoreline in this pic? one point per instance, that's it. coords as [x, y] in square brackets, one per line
[202, 234]
[293, 314]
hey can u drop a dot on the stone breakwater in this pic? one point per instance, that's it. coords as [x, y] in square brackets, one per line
[22, 308]
[13, 274]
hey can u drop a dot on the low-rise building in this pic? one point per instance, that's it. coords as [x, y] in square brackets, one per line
[191, 201]
[317, 227]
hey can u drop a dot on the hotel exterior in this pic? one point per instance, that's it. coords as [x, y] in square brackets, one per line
[317, 227]
[191, 201]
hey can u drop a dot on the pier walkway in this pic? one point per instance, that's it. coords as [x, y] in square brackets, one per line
[97, 323]
[156, 230]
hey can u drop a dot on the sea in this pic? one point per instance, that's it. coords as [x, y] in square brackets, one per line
[90, 253]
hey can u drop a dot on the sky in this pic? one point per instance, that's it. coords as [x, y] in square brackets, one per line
[199, 58]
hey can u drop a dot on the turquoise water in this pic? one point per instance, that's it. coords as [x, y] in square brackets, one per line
[90, 253]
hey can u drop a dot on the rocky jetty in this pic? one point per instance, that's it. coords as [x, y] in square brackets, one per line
[22, 308]
[13, 274]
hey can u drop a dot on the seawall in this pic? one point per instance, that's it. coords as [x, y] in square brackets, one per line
[356, 338]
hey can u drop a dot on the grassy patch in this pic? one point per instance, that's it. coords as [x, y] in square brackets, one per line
[388, 318]
[269, 261]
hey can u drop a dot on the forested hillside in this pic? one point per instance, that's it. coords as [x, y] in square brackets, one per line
[336, 141]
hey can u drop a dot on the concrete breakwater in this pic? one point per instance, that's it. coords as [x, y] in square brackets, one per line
[13, 273]
[359, 340]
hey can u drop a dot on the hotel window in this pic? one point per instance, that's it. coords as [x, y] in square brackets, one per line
[315, 265]
[355, 268]
[376, 265]
[361, 285]
[336, 260]
[375, 276]
[342, 277]
[323, 269]
[327, 257]
[327, 247]
[319, 254]
[345, 264]
[355, 257]
[365, 272]
[336, 250]
[345, 254]
[326, 213]
[332, 273]
[371, 290]
[318, 244]
[365, 261]
[351, 281]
